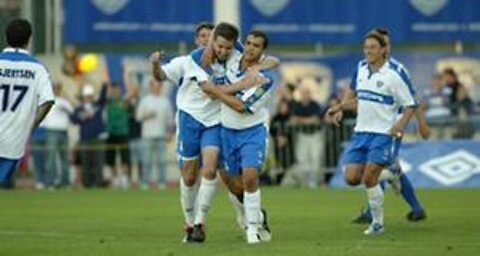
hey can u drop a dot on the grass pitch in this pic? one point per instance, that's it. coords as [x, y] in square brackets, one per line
[304, 222]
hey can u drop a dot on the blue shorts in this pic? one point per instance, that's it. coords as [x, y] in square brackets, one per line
[193, 136]
[372, 148]
[7, 167]
[244, 148]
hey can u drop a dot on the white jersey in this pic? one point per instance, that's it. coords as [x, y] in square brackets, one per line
[380, 95]
[24, 85]
[187, 72]
[254, 99]
[58, 118]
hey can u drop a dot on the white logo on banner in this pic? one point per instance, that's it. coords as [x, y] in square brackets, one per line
[452, 168]
[269, 7]
[110, 7]
[428, 7]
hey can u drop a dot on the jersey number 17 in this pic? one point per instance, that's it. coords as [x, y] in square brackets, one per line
[19, 90]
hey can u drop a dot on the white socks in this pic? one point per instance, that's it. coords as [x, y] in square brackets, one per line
[205, 196]
[375, 200]
[237, 205]
[252, 206]
[187, 200]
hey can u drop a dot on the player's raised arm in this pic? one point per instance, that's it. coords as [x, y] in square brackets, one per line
[157, 71]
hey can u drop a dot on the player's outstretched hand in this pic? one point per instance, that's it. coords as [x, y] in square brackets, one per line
[156, 57]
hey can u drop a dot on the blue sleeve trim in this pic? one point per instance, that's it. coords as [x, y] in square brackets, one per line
[353, 83]
[238, 46]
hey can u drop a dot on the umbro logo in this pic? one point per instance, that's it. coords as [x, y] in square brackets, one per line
[452, 168]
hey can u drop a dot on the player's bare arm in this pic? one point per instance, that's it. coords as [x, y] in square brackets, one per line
[225, 97]
[335, 113]
[399, 127]
[157, 70]
[422, 124]
[41, 113]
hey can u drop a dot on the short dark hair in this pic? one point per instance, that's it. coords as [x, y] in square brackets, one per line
[258, 33]
[18, 33]
[202, 25]
[377, 36]
[382, 31]
[226, 30]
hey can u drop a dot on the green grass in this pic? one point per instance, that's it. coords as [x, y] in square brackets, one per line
[304, 222]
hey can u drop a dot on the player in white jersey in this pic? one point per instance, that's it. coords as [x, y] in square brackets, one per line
[198, 122]
[400, 182]
[26, 96]
[244, 134]
[382, 88]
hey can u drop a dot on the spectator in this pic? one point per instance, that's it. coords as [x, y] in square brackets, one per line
[135, 127]
[459, 98]
[70, 61]
[56, 124]
[155, 114]
[118, 132]
[281, 132]
[437, 99]
[310, 141]
[89, 115]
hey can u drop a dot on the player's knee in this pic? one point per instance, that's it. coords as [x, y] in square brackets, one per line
[352, 181]
[209, 172]
[250, 183]
[189, 179]
[370, 180]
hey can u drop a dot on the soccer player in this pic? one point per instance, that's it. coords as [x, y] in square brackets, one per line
[382, 88]
[202, 33]
[394, 175]
[26, 96]
[244, 134]
[198, 122]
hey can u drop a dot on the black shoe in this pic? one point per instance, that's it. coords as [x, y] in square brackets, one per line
[198, 234]
[362, 219]
[187, 238]
[416, 216]
[264, 232]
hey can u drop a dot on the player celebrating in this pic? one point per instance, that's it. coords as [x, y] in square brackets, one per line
[198, 123]
[382, 88]
[244, 134]
[394, 175]
[26, 96]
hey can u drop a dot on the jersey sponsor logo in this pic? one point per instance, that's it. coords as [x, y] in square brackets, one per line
[453, 168]
[428, 7]
[110, 7]
[269, 8]
[380, 84]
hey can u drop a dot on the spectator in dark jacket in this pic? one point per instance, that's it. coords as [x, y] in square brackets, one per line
[89, 116]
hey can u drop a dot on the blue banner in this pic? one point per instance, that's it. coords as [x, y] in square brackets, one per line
[436, 164]
[122, 21]
[346, 21]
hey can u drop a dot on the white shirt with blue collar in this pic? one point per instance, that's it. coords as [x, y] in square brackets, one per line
[254, 99]
[186, 71]
[380, 95]
[24, 85]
